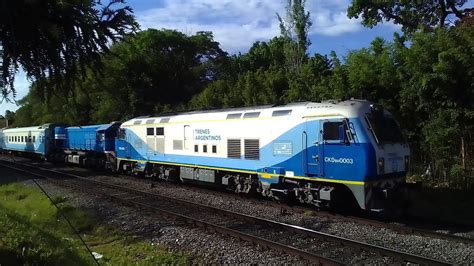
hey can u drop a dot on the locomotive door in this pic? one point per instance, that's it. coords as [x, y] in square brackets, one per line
[311, 140]
[336, 159]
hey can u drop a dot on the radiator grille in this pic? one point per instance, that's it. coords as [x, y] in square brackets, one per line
[251, 149]
[151, 144]
[160, 145]
[233, 148]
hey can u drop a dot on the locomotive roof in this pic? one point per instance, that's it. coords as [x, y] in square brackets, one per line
[326, 108]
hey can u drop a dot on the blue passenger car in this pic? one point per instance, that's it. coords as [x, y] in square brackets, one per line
[92, 145]
[2, 141]
[37, 141]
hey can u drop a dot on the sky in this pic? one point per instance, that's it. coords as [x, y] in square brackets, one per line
[237, 24]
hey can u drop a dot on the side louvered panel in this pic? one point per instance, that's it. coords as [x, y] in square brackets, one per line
[160, 145]
[251, 149]
[233, 148]
[151, 144]
[177, 144]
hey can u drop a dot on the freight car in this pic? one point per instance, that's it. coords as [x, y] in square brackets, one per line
[320, 153]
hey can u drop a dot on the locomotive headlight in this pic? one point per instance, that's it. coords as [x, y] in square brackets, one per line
[407, 163]
[381, 166]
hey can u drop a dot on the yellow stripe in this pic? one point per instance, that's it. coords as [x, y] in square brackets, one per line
[264, 175]
[319, 115]
[327, 180]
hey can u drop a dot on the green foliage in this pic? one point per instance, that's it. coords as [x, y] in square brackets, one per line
[151, 72]
[57, 38]
[32, 232]
[294, 29]
[411, 15]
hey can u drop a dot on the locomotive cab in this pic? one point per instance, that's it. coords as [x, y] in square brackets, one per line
[392, 156]
[361, 149]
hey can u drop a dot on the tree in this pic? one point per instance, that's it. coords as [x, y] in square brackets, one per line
[412, 15]
[10, 116]
[294, 28]
[57, 39]
[157, 68]
[372, 74]
[438, 93]
[150, 72]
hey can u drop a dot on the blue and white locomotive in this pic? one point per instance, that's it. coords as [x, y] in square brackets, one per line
[320, 153]
[90, 146]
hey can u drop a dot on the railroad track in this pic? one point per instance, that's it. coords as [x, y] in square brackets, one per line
[396, 226]
[399, 226]
[314, 246]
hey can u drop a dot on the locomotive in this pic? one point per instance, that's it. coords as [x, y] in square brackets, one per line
[326, 153]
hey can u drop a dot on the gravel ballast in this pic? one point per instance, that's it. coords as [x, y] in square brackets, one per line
[200, 246]
[453, 252]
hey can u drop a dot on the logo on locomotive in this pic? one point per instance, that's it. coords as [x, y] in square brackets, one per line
[205, 134]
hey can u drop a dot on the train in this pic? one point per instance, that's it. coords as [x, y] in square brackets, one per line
[331, 153]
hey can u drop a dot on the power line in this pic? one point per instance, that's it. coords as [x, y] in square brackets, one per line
[67, 220]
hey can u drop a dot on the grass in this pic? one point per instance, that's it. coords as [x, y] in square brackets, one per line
[33, 232]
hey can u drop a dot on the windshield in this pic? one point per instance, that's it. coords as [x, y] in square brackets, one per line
[384, 129]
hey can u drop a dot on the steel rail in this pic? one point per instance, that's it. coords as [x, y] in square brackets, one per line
[398, 226]
[406, 257]
[313, 258]
[404, 229]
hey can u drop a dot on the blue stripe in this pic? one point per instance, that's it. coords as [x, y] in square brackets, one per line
[362, 155]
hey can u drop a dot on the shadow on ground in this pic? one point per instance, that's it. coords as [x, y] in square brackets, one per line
[8, 176]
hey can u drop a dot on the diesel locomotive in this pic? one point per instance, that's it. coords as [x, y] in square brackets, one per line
[334, 152]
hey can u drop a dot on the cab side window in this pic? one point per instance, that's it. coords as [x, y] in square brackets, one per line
[331, 130]
[121, 133]
[335, 132]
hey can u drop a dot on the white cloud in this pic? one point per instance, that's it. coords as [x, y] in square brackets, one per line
[334, 23]
[238, 24]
